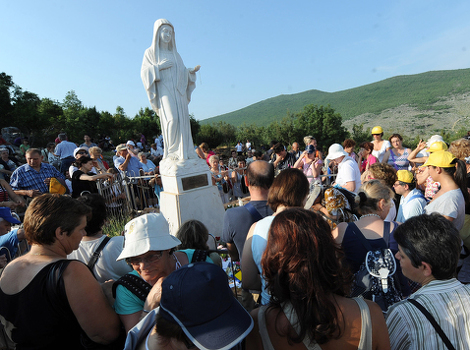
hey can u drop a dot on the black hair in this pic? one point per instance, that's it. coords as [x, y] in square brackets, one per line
[98, 212]
[431, 239]
[83, 160]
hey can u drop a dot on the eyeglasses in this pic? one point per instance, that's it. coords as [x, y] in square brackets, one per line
[152, 258]
[81, 152]
[397, 184]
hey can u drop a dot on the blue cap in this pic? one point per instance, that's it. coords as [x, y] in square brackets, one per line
[5, 214]
[198, 298]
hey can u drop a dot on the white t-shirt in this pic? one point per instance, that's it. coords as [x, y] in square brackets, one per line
[348, 171]
[450, 204]
[106, 266]
[380, 153]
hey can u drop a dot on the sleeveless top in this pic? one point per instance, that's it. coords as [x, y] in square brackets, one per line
[365, 342]
[36, 320]
[401, 162]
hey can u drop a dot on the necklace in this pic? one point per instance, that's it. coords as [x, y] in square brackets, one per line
[376, 215]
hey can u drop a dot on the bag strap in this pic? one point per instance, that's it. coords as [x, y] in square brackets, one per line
[136, 285]
[96, 254]
[255, 215]
[199, 255]
[386, 235]
[433, 322]
[418, 195]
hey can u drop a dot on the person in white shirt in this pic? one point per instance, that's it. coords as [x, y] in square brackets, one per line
[349, 175]
[412, 201]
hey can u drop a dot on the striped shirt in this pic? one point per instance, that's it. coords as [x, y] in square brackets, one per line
[448, 301]
[26, 178]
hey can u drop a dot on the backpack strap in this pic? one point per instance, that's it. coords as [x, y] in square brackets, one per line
[136, 285]
[433, 322]
[386, 235]
[255, 215]
[418, 195]
[96, 254]
[199, 255]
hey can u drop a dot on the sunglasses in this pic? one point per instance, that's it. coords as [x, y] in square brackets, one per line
[152, 258]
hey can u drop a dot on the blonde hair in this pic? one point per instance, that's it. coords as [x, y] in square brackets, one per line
[308, 139]
[460, 148]
[370, 194]
[95, 150]
[212, 157]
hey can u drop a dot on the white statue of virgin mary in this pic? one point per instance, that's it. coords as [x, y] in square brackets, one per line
[169, 85]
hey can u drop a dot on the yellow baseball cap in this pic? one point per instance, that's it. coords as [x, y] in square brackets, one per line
[405, 176]
[377, 130]
[437, 146]
[442, 159]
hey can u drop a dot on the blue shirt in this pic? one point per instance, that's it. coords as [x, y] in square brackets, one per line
[65, 149]
[132, 168]
[10, 241]
[26, 178]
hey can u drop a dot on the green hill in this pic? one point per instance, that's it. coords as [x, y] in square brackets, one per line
[420, 91]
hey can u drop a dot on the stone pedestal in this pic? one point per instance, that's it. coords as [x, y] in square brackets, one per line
[189, 194]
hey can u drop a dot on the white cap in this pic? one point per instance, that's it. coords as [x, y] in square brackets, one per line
[433, 139]
[336, 151]
[148, 232]
[130, 142]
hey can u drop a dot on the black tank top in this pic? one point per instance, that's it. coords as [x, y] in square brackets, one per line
[41, 320]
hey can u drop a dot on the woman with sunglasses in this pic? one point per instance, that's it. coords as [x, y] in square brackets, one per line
[150, 250]
[380, 145]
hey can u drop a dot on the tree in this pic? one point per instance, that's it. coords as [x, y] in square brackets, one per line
[227, 131]
[322, 123]
[209, 134]
[359, 135]
[25, 111]
[195, 126]
[146, 122]
[6, 85]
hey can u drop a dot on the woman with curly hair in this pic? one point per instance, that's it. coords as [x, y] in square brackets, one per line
[308, 285]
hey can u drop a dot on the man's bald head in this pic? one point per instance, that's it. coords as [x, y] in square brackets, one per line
[260, 174]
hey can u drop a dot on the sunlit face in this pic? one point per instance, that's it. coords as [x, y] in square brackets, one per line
[34, 160]
[398, 187]
[313, 142]
[152, 265]
[295, 147]
[348, 149]
[241, 164]
[214, 162]
[432, 171]
[396, 142]
[123, 153]
[166, 33]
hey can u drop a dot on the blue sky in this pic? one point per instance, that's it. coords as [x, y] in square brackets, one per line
[248, 50]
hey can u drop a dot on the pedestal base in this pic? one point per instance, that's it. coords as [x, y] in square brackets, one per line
[203, 204]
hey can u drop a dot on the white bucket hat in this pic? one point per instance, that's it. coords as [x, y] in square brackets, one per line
[146, 233]
[336, 151]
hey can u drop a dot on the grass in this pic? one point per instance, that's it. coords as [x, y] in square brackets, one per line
[420, 90]
[115, 225]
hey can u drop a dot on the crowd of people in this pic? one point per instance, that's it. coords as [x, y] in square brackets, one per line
[358, 248]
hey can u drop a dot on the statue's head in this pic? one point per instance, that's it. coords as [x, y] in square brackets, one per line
[164, 33]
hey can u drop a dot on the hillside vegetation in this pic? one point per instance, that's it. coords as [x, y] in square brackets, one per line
[426, 95]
